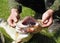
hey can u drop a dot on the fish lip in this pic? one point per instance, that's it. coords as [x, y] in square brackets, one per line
[28, 20]
[22, 30]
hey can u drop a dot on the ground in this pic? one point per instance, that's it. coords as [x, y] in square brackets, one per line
[43, 37]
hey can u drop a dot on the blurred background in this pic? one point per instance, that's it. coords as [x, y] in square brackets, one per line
[43, 37]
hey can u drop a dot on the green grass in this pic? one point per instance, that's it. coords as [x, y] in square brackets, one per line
[43, 37]
[27, 12]
[4, 9]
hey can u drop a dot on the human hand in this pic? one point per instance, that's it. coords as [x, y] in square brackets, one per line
[13, 18]
[47, 18]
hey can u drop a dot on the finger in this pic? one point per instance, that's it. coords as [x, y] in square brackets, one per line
[50, 22]
[15, 19]
[45, 17]
[10, 22]
[46, 21]
[13, 25]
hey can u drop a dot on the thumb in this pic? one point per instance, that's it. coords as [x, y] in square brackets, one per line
[45, 17]
[15, 19]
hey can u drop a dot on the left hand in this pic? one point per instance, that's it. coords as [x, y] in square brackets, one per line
[47, 18]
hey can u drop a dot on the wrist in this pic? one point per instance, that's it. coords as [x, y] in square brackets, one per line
[14, 11]
[50, 11]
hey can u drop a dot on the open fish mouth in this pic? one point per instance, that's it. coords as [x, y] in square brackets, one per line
[23, 25]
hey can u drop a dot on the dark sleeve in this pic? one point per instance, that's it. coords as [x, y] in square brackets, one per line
[55, 5]
[14, 4]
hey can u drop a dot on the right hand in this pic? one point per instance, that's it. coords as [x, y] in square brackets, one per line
[13, 18]
[47, 18]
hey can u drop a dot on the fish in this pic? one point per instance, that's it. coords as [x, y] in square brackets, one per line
[23, 31]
